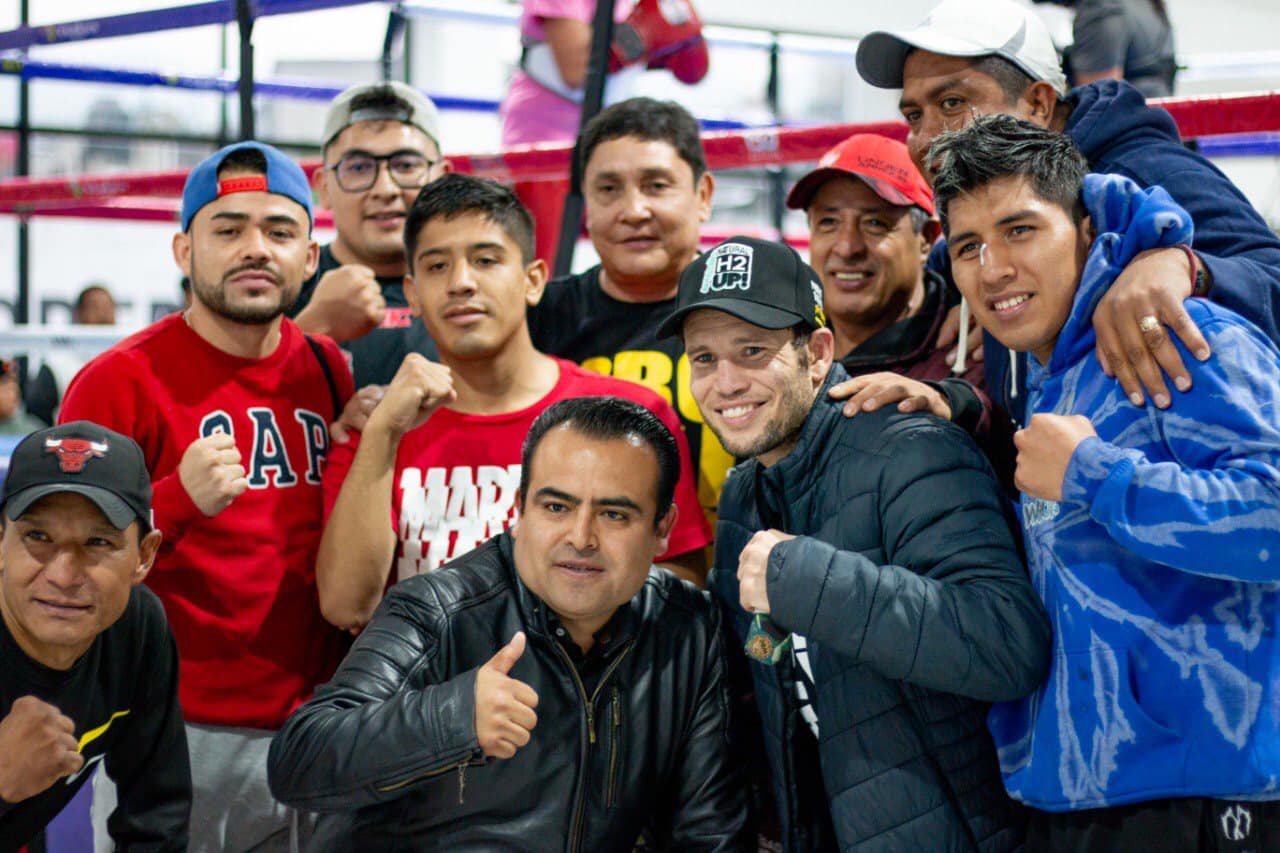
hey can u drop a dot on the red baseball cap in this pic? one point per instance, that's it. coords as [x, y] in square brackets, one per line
[882, 163]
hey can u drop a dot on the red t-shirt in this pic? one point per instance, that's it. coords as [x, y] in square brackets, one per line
[457, 475]
[238, 588]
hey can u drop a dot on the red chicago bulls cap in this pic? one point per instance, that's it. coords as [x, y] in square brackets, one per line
[81, 457]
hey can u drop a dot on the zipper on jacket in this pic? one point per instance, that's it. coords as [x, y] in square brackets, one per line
[588, 703]
[460, 766]
[611, 781]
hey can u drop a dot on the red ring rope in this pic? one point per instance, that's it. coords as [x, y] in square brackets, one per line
[114, 196]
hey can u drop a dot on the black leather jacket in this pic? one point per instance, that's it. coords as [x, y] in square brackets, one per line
[392, 736]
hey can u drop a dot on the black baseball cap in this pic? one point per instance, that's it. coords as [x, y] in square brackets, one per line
[765, 283]
[81, 457]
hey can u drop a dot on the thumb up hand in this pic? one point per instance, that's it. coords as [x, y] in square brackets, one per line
[504, 706]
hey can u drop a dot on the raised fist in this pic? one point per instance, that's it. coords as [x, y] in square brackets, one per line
[347, 303]
[418, 389]
[504, 706]
[38, 747]
[211, 473]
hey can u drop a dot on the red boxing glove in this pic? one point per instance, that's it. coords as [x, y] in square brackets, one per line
[662, 34]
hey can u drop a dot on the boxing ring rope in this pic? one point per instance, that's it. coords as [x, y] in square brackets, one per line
[1212, 117]
[1223, 126]
[158, 20]
[760, 146]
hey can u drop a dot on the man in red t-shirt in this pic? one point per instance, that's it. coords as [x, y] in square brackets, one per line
[231, 405]
[437, 468]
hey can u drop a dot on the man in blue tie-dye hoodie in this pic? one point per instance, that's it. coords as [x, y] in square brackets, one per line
[1152, 535]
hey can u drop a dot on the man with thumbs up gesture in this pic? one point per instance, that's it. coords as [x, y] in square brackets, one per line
[550, 689]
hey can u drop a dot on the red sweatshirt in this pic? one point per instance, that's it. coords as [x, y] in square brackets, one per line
[238, 588]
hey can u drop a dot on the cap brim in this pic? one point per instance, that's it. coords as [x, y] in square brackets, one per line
[881, 55]
[118, 513]
[764, 316]
[802, 193]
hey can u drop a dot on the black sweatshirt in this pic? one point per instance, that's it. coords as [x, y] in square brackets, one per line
[123, 696]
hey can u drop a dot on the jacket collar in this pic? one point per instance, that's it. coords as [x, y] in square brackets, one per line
[907, 340]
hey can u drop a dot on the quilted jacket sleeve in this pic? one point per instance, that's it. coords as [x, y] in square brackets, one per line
[368, 737]
[953, 609]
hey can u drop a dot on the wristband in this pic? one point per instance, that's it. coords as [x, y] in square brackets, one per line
[1199, 283]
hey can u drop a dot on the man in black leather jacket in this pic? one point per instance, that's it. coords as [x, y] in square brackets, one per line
[548, 691]
[881, 550]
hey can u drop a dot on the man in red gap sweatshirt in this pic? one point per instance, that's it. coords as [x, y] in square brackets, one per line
[230, 402]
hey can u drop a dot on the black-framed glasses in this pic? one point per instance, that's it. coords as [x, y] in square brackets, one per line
[357, 172]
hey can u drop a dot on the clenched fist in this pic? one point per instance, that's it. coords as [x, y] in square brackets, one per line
[38, 747]
[753, 567]
[347, 303]
[1045, 448]
[504, 706]
[211, 473]
[418, 389]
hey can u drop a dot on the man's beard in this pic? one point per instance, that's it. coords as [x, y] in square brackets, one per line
[214, 297]
[794, 405]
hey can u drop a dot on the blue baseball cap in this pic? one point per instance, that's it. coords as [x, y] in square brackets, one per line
[284, 177]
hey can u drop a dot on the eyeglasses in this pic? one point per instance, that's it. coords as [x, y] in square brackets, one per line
[358, 172]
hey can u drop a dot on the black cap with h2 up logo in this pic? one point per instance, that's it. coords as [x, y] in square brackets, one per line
[765, 283]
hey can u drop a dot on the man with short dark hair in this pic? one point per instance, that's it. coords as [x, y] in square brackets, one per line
[381, 145]
[42, 392]
[231, 403]
[88, 668]
[646, 192]
[94, 307]
[1150, 533]
[436, 470]
[548, 690]
[976, 57]
[880, 551]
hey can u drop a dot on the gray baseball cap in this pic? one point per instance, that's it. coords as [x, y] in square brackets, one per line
[968, 28]
[403, 103]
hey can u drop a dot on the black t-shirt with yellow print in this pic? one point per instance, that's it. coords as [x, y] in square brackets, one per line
[122, 695]
[577, 320]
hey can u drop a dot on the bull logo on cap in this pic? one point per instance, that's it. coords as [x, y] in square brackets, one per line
[73, 453]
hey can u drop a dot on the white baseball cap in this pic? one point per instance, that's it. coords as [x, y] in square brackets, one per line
[403, 103]
[965, 28]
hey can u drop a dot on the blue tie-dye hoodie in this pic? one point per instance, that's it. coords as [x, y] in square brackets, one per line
[1160, 566]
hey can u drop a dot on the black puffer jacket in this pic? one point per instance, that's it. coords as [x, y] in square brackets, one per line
[393, 734]
[906, 580]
